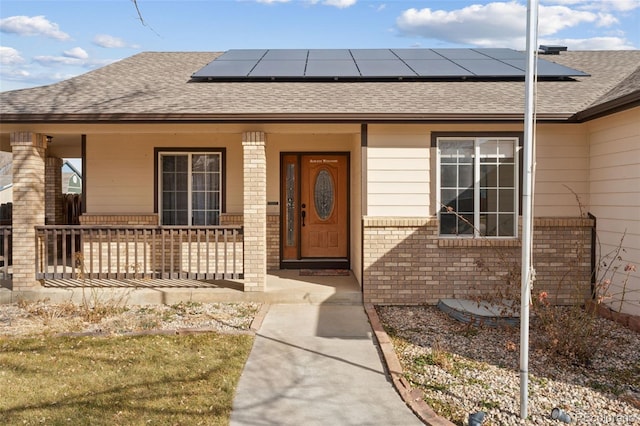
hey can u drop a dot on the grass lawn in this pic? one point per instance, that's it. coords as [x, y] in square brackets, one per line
[121, 380]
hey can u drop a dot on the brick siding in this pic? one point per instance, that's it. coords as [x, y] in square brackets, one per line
[54, 206]
[406, 262]
[255, 210]
[119, 219]
[28, 203]
[273, 235]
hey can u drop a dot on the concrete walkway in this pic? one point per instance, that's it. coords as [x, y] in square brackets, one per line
[317, 364]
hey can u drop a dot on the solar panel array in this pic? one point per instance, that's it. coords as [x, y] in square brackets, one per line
[374, 64]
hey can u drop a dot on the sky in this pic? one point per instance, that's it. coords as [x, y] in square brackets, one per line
[42, 42]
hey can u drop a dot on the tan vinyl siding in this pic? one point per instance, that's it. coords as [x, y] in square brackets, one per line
[562, 167]
[398, 173]
[614, 175]
[130, 189]
[401, 174]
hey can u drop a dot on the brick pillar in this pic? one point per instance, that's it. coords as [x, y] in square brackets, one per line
[255, 211]
[28, 204]
[53, 201]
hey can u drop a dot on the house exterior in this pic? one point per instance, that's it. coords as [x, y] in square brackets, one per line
[412, 184]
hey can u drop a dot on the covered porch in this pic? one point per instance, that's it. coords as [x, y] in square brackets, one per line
[120, 239]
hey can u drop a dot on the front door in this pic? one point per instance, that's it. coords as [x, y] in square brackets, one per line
[314, 212]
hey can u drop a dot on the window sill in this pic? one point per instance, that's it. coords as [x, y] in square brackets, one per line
[478, 242]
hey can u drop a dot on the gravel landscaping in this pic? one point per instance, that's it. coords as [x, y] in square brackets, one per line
[461, 369]
[33, 318]
[464, 369]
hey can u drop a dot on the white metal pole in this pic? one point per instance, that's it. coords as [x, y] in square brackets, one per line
[527, 203]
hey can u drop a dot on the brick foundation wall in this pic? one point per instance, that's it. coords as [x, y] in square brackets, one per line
[406, 262]
[273, 235]
[119, 219]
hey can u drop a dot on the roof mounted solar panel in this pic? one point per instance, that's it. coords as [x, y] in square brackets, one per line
[227, 69]
[454, 54]
[382, 68]
[330, 54]
[373, 54]
[417, 54]
[331, 68]
[489, 68]
[546, 68]
[286, 55]
[438, 68]
[284, 68]
[375, 65]
[502, 54]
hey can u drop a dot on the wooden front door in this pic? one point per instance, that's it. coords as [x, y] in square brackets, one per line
[315, 197]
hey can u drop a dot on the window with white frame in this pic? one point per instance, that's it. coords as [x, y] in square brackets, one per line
[478, 186]
[190, 188]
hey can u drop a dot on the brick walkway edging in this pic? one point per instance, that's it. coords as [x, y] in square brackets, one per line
[412, 397]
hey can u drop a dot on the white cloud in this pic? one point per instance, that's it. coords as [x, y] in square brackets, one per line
[49, 61]
[77, 53]
[616, 5]
[110, 42]
[622, 5]
[105, 40]
[497, 24]
[10, 56]
[483, 25]
[57, 60]
[32, 26]
[606, 20]
[552, 19]
[594, 43]
[341, 4]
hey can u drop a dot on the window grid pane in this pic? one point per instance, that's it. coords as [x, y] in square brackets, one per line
[489, 176]
[497, 187]
[201, 206]
[457, 187]
[205, 172]
[174, 183]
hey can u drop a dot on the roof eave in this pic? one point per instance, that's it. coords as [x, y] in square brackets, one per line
[275, 118]
[628, 101]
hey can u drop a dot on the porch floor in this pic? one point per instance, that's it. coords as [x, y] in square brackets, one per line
[283, 286]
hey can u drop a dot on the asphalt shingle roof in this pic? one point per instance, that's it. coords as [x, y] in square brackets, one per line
[156, 85]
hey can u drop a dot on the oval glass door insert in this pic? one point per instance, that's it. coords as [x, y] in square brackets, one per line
[324, 194]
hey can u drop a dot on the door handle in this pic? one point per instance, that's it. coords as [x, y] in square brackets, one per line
[303, 213]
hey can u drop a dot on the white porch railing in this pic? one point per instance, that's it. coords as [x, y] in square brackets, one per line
[139, 252]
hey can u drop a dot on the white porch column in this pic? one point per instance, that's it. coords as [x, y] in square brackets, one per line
[255, 211]
[28, 204]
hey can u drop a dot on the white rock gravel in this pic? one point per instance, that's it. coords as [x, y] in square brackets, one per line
[26, 319]
[463, 370]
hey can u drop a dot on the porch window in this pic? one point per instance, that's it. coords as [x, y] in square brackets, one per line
[190, 188]
[477, 186]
